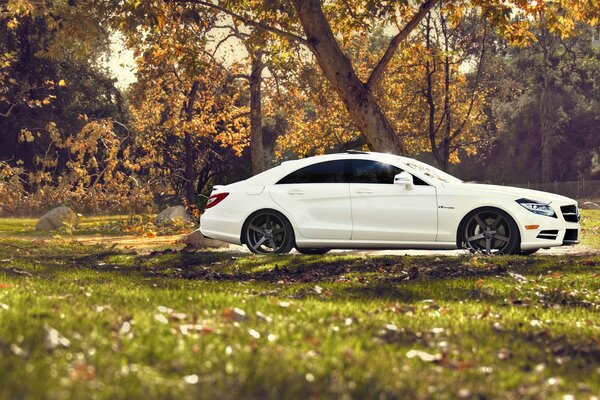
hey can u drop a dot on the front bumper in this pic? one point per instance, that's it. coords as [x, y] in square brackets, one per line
[564, 230]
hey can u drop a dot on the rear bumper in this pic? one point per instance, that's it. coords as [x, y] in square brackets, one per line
[226, 228]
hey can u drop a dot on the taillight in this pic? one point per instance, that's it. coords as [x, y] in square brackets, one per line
[215, 199]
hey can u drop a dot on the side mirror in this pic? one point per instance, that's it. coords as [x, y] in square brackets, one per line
[405, 179]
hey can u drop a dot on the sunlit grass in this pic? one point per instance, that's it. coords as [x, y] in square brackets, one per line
[90, 321]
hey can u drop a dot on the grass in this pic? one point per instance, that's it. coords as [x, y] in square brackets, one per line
[93, 322]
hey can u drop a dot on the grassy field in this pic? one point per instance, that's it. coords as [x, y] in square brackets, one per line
[94, 322]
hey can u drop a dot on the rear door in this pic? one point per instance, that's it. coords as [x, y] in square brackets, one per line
[318, 199]
[384, 211]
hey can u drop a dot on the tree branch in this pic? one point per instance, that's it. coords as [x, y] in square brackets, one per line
[7, 114]
[247, 21]
[458, 130]
[379, 69]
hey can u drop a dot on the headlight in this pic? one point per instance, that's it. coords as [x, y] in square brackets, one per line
[537, 207]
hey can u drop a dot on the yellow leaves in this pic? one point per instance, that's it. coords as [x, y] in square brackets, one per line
[61, 83]
[19, 8]
[26, 136]
[12, 24]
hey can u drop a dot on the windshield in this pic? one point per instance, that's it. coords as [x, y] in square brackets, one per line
[431, 172]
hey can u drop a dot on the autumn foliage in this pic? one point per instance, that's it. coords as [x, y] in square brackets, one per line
[224, 89]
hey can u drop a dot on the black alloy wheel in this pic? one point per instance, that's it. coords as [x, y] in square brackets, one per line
[490, 231]
[268, 232]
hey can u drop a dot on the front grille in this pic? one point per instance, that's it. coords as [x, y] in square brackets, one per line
[571, 236]
[548, 234]
[570, 213]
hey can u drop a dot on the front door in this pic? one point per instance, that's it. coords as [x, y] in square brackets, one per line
[383, 211]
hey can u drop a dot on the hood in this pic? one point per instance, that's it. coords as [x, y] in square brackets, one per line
[543, 197]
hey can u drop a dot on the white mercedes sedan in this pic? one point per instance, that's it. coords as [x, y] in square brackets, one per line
[361, 200]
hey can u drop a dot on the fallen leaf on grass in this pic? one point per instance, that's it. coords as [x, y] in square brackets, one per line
[187, 328]
[161, 318]
[254, 333]
[424, 356]
[191, 379]
[164, 309]
[18, 351]
[236, 314]
[504, 354]
[263, 317]
[518, 277]
[5, 285]
[54, 339]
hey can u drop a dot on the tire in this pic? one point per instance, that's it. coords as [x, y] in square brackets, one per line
[490, 231]
[311, 251]
[528, 252]
[268, 232]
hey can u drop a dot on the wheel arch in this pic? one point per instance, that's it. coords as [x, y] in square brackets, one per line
[463, 220]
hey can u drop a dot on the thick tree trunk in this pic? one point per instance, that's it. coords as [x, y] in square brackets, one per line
[337, 68]
[257, 152]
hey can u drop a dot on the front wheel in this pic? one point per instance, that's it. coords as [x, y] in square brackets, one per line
[490, 231]
[268, 232]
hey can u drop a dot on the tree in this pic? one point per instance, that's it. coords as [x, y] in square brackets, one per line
[55, 99]
[184, 106]
[548, 125]
[309, 22]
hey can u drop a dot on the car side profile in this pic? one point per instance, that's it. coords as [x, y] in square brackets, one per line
[364, 200]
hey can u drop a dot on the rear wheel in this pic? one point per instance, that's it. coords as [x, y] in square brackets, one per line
[490, 231]
[268, 232]
[312, 251]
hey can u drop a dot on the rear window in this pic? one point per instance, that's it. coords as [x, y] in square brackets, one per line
[325, 172]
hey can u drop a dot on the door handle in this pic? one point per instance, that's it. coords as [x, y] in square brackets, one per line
[295, 192]
[364, 191]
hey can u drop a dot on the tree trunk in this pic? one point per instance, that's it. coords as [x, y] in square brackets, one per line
[257, 152]
[337, 69]
[546, 126]
[190, 171]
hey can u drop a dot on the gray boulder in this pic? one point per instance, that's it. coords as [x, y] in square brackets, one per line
[197, 240]
[56, 218]
[590, 205]
[173, 215]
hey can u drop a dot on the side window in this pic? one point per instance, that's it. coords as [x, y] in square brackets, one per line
[366, 171]
[325, 172]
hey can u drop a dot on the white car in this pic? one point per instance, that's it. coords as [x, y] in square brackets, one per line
[361, 200]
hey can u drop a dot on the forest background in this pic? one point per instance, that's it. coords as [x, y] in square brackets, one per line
[507, 92]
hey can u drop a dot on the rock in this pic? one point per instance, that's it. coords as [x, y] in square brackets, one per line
[198, 241]
[56, 218]
[173, 215]
[589, 205]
